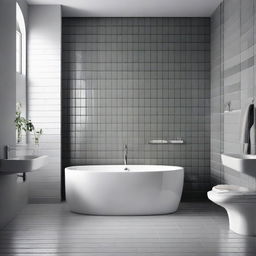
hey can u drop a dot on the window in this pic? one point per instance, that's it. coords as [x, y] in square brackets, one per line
[18, 51]
[20, 42]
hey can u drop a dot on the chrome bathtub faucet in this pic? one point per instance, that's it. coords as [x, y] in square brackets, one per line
[125, 154]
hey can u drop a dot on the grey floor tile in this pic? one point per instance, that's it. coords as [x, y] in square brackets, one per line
[196, 229]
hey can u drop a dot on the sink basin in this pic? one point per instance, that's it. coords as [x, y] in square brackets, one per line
[20, 164]
[240, 163]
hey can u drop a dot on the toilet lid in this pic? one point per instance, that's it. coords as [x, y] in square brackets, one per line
[230, 188]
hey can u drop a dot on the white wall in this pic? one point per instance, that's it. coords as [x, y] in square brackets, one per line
[12, 195]
[44, 97]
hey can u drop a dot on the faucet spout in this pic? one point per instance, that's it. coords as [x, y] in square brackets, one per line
[125, 154]
[7, 150]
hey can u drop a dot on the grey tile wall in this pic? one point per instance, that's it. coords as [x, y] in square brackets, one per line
[130, 80]
[232, 80]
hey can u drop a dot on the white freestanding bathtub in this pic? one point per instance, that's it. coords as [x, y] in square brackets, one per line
[112, 190]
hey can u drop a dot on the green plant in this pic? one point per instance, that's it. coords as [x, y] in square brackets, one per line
[23, 124]
[20, 122]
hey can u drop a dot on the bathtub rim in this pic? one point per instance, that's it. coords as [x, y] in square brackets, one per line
[81, 168]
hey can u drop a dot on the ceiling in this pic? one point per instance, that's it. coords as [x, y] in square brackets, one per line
[134, 8]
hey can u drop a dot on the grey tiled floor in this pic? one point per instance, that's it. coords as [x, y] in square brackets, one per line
[197, 229]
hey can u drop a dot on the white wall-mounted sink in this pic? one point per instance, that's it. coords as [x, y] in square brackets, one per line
[240, 163]
[20, 164]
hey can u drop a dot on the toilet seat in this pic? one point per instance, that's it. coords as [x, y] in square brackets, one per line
[230, 188]
[232, 193]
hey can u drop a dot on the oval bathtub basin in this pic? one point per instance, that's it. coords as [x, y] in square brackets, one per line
[114, 190]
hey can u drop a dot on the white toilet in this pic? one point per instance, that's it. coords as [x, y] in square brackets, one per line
[240, 204]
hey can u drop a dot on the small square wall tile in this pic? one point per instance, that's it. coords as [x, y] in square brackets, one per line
[131, 80]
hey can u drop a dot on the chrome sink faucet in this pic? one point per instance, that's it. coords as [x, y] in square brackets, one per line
[125, 154]
[7, 150]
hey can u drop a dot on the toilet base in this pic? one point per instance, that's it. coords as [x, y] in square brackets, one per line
[240, 207]
[242, 219]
